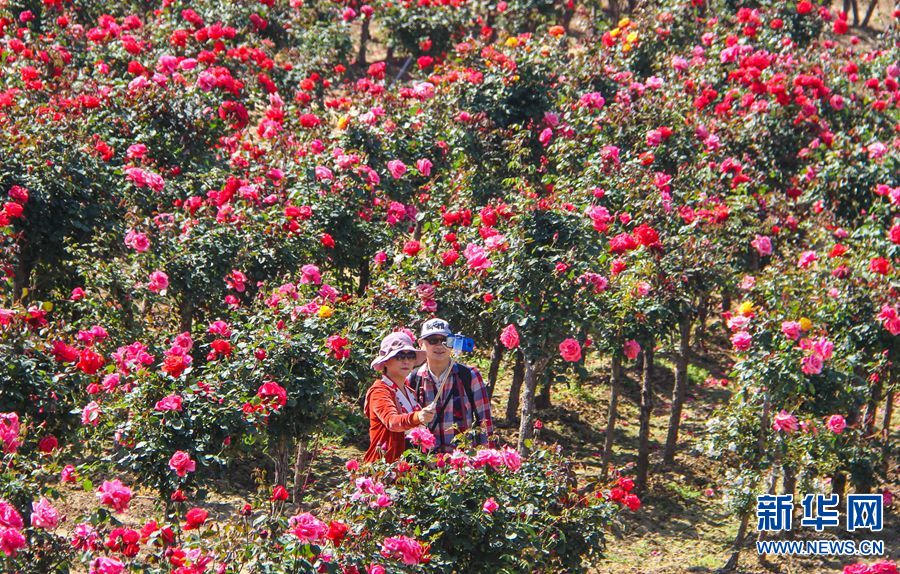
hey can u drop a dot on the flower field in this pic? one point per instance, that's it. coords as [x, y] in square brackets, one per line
[671, 228]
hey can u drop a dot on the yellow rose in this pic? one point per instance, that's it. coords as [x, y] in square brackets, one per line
[745, 308]
[632, 37]
[805, 324]
[624, 22]
[325, 311]
[343, 122]
[512, 42]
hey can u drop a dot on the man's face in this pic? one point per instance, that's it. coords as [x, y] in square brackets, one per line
[434, 347]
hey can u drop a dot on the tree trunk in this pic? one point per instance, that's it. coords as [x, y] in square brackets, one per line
[125, 302]
[681, 382]
[790, 480]
[542, 401]
[643, 462]
[299, 468]
[726, 307]
[702, 316]
[615, 385]
[364, 277]
[614, 10]
[869, 11]
[186, 313]
[838, 483]
[568, 14]
[512, 404]
[731, 564]
[854, 4]
[22, 273]
[282, 456]
[872, 407]
[886, 432]
[533, 370]
[496, 357]
[736, 545]
[363, 41]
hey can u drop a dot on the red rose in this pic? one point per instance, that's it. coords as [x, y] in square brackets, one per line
[336, 531]
[880, 265]
[48, 444]
[412, 247]
[12, 209]
[646, 235]
[448, 258]
[279, 493]
[90, 362]
[195, 518]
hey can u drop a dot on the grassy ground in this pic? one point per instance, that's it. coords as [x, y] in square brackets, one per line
[682, 525]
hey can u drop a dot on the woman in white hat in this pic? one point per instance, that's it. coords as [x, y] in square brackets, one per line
[390, 404]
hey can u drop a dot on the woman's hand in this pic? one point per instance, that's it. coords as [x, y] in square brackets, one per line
[426, 415]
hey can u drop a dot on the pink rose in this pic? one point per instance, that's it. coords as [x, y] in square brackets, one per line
[421, 436]
[490, 505]
[43, 515]
[510, 337]
[90, 415]
[631, 348]
[807, 258]
[169, 403]
[181, 463]
[836, 424]
[9, 432]
[476, 258]
[137, 241]
[397, 168]
[67, 474]
[424, 166]
[9, 516]
[105, 565]
[791, 329]
[307, 528]
[763, 245]
[11, 541]
[570, 350]
[310, 274]
[890, 318]
[159, 282]
[741, 340]
[812, 364]
[114, 494]
[785, 422]
[403, 548]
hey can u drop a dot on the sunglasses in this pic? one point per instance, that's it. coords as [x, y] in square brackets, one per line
[405, 356]
[436, 340]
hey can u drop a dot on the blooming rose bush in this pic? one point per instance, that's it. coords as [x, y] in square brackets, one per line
[480, 509]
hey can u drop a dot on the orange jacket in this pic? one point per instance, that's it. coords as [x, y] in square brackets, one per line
[386, 423]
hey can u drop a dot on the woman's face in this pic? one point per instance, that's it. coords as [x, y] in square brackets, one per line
[400, 365]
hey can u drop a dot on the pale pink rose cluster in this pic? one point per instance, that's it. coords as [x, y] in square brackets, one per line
[408, 550]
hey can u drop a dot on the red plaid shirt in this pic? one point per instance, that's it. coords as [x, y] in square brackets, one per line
[457, 415]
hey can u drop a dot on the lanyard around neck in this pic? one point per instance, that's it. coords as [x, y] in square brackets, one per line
[402, 395]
